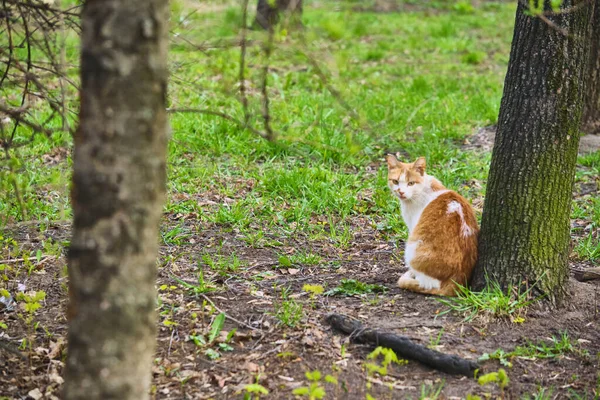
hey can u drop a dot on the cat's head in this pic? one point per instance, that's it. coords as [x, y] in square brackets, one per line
[405, 179]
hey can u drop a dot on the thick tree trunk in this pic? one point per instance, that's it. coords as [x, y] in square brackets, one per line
[591, 110]
[117, 195]
[525, 228]
[268, 12]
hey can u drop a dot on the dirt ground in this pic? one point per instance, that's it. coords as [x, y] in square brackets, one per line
[277, 357]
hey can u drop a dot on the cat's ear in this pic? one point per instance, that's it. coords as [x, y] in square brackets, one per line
[392, 161]
[419, 165]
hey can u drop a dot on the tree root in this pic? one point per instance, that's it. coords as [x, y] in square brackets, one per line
[402, 346]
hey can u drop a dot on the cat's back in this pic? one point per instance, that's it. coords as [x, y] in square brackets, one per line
[448, 217]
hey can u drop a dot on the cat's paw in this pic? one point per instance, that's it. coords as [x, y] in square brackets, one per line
[406, 281]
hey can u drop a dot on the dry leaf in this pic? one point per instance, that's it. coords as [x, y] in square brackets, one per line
[35, 394]
[56, 348]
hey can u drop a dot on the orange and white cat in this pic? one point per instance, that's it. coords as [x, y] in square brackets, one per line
[441, 250]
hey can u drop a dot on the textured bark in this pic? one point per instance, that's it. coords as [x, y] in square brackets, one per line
[591, 110]
[117, 195]
[525, 227]
[268, 15]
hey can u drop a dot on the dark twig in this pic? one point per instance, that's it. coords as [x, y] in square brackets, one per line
[402, 346]
[229, 317]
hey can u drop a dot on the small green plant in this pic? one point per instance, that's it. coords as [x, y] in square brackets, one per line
[340, 236]
[313, 291]
[223, 265]
[556, 348]
[500, 378]
[31, 302]
[352, 287]
[389, 356]
[431, 392]
[176, 236]
[500, 355]
[435, 341]
[288, 311]
[492, 302]
[253, 391]
[205, 342]
[588, 248]
[314, 390]
[284, 262]
[542, 393]
[203, 286]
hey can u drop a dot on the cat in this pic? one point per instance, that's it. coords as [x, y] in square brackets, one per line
[441, 249]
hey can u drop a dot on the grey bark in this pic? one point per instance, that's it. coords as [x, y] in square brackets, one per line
[267, 15]
[117, 194]
[591, 110]
[525, 227]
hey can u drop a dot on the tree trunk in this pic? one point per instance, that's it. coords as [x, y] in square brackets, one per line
[524, 234]
[591, 109]
[117, 195]
[268, 12]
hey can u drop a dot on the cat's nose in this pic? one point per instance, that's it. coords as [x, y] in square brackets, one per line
[400, 193]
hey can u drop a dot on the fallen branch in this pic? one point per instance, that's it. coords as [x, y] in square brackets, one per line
[587, 274]
[403, 346]
[229, 317]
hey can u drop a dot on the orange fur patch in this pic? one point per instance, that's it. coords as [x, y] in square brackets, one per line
[444, 252]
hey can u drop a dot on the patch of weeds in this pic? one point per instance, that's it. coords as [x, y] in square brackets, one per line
[288, 311]
[306, 258]
[176, 236]
[431, 392]
[542, 393]
[491, 302]
[253, 391]
[315, 389]
[475, 57]
[32, 302]
[299, 258]
[499, 378]
[203, 286]
[208, 342]
[592, 161]
[352, 287]
[556, 348]
[463, 7]
[589, 248]
[222, 264]
[341, 236]
[258, 240]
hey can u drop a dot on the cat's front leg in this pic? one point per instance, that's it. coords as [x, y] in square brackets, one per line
[410, 274]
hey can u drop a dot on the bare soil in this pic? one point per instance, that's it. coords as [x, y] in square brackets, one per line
[278, 356]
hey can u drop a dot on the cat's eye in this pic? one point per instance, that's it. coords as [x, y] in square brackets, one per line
[411, 183]
[394, 181]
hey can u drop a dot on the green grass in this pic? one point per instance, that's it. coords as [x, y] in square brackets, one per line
[555, 348]
[419, 82]
[352, 287]
[288, 311]
[490, 303]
